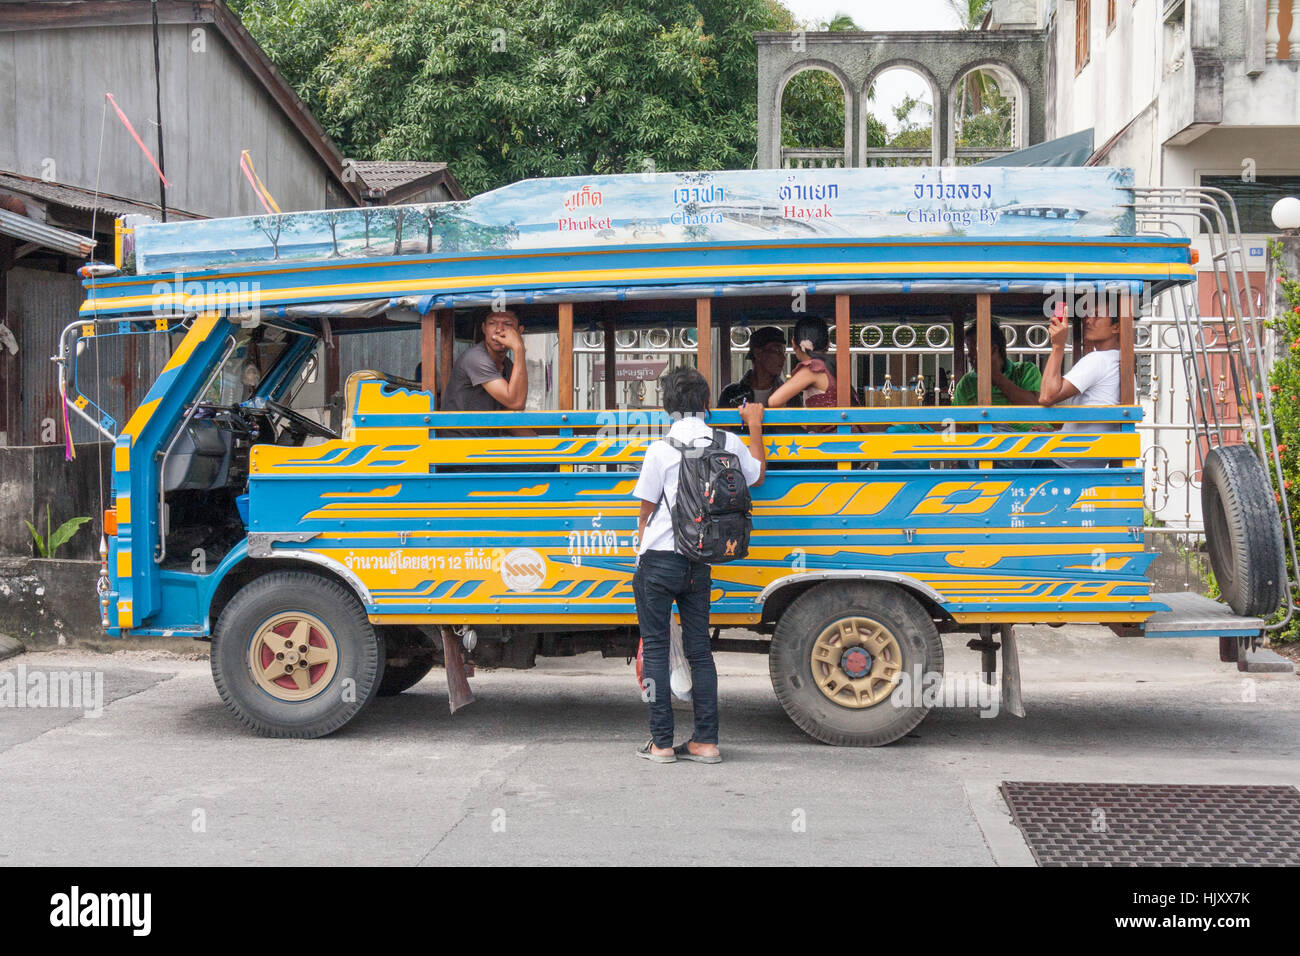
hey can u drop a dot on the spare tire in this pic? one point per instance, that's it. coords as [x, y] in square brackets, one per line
[1243, 530]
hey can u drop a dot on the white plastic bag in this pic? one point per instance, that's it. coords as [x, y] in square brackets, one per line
[679, 670]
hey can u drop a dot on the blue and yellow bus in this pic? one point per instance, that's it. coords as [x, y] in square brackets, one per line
[345, 558]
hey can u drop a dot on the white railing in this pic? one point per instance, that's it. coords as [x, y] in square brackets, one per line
[969, 155]
[812, 158]
[1282, 13]
[888, 156]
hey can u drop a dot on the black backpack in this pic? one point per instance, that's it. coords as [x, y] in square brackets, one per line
[711, 516]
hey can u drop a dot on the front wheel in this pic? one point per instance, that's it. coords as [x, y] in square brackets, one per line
[839, 653]
[294, 655]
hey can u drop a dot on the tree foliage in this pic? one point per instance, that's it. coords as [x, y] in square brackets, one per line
[1284, 381]
[538, 88]
[984, 119]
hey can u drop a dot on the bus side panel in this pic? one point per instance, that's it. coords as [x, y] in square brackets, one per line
[546, 545]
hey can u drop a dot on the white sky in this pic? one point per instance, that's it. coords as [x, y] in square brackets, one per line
[885, 15]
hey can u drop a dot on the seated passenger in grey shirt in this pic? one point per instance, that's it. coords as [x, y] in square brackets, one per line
[484, 378]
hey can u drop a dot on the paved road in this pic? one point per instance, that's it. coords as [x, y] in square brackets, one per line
[540, 769]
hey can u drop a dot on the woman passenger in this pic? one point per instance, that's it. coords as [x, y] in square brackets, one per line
[812, 377]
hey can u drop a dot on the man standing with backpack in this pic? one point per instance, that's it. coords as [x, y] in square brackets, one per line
[694, 491]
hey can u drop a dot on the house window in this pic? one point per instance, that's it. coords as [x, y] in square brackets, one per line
[1082, 20]
[1254, 199]
[1111, 14]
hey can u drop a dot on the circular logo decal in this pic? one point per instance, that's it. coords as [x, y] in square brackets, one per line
[523, 569]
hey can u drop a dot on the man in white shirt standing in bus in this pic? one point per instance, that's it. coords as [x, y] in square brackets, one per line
[1092, 380]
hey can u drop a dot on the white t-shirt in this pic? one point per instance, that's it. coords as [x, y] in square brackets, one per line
[1096, 376]
[659, 477]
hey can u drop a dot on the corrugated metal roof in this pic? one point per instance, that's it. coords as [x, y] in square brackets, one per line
[47, 16]
[29, 230]
[75, 197]
[390, 175]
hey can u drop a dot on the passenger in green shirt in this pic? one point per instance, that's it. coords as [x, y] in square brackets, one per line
[1014, 383]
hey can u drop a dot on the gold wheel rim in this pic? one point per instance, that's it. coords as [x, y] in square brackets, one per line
[870, 688]
[293, 656]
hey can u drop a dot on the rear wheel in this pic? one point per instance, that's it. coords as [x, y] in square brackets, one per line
[839, 653]
[1243, 530]
[293, 655]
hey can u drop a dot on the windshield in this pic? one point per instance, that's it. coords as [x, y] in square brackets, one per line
[257, 350]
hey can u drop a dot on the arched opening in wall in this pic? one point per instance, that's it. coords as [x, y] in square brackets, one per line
[814, 120]
[988, 114]
[898, 122]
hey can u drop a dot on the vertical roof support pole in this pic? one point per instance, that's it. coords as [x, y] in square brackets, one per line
[446, 344]
[984, 347]
[611, 358]
[703, 338]
[564, 380]
[429, 356]
[1127, 383]
[843, 358]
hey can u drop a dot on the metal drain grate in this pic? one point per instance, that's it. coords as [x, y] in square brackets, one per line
[1120, 824]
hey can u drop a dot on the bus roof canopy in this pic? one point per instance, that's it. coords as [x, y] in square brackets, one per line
[661, 236]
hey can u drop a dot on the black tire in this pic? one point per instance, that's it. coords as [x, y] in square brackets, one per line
[791, 666]
[357, 653]
[409, 655]
[1243, 531]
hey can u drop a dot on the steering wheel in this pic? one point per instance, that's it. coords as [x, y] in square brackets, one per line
[300, 422]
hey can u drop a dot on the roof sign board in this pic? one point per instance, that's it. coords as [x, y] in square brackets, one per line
[651, 209]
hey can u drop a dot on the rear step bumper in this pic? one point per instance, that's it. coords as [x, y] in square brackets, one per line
[1195, 615]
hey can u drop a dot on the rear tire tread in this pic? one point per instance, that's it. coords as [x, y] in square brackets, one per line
[808, 612]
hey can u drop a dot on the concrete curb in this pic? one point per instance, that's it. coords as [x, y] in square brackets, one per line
[10, 647]
[185, 647]
[1264, 661]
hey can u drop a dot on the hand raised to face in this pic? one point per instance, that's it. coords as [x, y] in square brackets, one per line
[1059, 330]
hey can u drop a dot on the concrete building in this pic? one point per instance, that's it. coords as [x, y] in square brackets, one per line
[940, 58]
[1187, 92]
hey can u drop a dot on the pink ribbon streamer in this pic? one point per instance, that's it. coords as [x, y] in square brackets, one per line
[135, 136]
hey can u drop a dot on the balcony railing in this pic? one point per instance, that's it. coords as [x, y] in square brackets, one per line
[970, 155]
[878, 157]
[1282, 30]
[812, 158]
[886, 156]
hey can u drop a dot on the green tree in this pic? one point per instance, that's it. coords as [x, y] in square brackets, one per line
[911, 133]
[541, 88]
[989, 127]
[841, 22]
[812, 106]
[1284, 382]
[982, 113]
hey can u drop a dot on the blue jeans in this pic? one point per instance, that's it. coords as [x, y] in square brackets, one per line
[662, 577]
